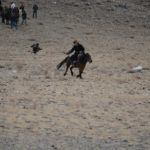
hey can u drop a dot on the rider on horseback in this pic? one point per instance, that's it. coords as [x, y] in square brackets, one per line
[79, 49]
[77, 60]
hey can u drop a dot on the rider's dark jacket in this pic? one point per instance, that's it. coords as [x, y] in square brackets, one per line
[79, 48]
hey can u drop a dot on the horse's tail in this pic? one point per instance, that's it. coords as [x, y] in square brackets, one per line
[62, 62]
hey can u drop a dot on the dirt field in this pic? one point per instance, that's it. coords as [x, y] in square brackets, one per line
[109, 109]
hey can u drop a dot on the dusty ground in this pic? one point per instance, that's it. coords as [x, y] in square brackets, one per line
[109, 109]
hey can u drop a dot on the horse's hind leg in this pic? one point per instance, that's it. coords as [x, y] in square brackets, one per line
[71, 70]
[79, 75]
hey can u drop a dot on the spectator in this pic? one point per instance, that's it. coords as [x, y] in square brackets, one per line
[3, 15]
[16, 13]
[13, 5]
[7, 15]
[1, 9]
[9, 9]
[24, 17]
[22, 7]
[35, 9]
[14, 22]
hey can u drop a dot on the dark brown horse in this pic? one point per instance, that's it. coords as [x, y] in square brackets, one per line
[81, 63]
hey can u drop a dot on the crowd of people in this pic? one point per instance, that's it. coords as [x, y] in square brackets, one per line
[10, 14]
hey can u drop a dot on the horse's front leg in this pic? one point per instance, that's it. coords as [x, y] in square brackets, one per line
[66, 71]
[67, 67]
[71, 70]
[81, 68]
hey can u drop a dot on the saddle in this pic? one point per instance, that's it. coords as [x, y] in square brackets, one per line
[80, 59]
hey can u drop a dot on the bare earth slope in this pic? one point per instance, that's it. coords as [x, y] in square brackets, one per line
[109, 109]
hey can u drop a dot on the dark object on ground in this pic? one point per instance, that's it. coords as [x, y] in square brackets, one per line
[123, 6]
[35, 48]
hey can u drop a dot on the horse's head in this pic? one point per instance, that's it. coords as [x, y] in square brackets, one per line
[88, 57]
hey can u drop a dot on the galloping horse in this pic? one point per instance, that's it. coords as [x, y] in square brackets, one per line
[81, 63]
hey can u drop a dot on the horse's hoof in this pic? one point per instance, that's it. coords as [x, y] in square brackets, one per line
[64, 74]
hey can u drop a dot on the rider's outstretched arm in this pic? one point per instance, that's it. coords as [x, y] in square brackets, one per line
[70, 51]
